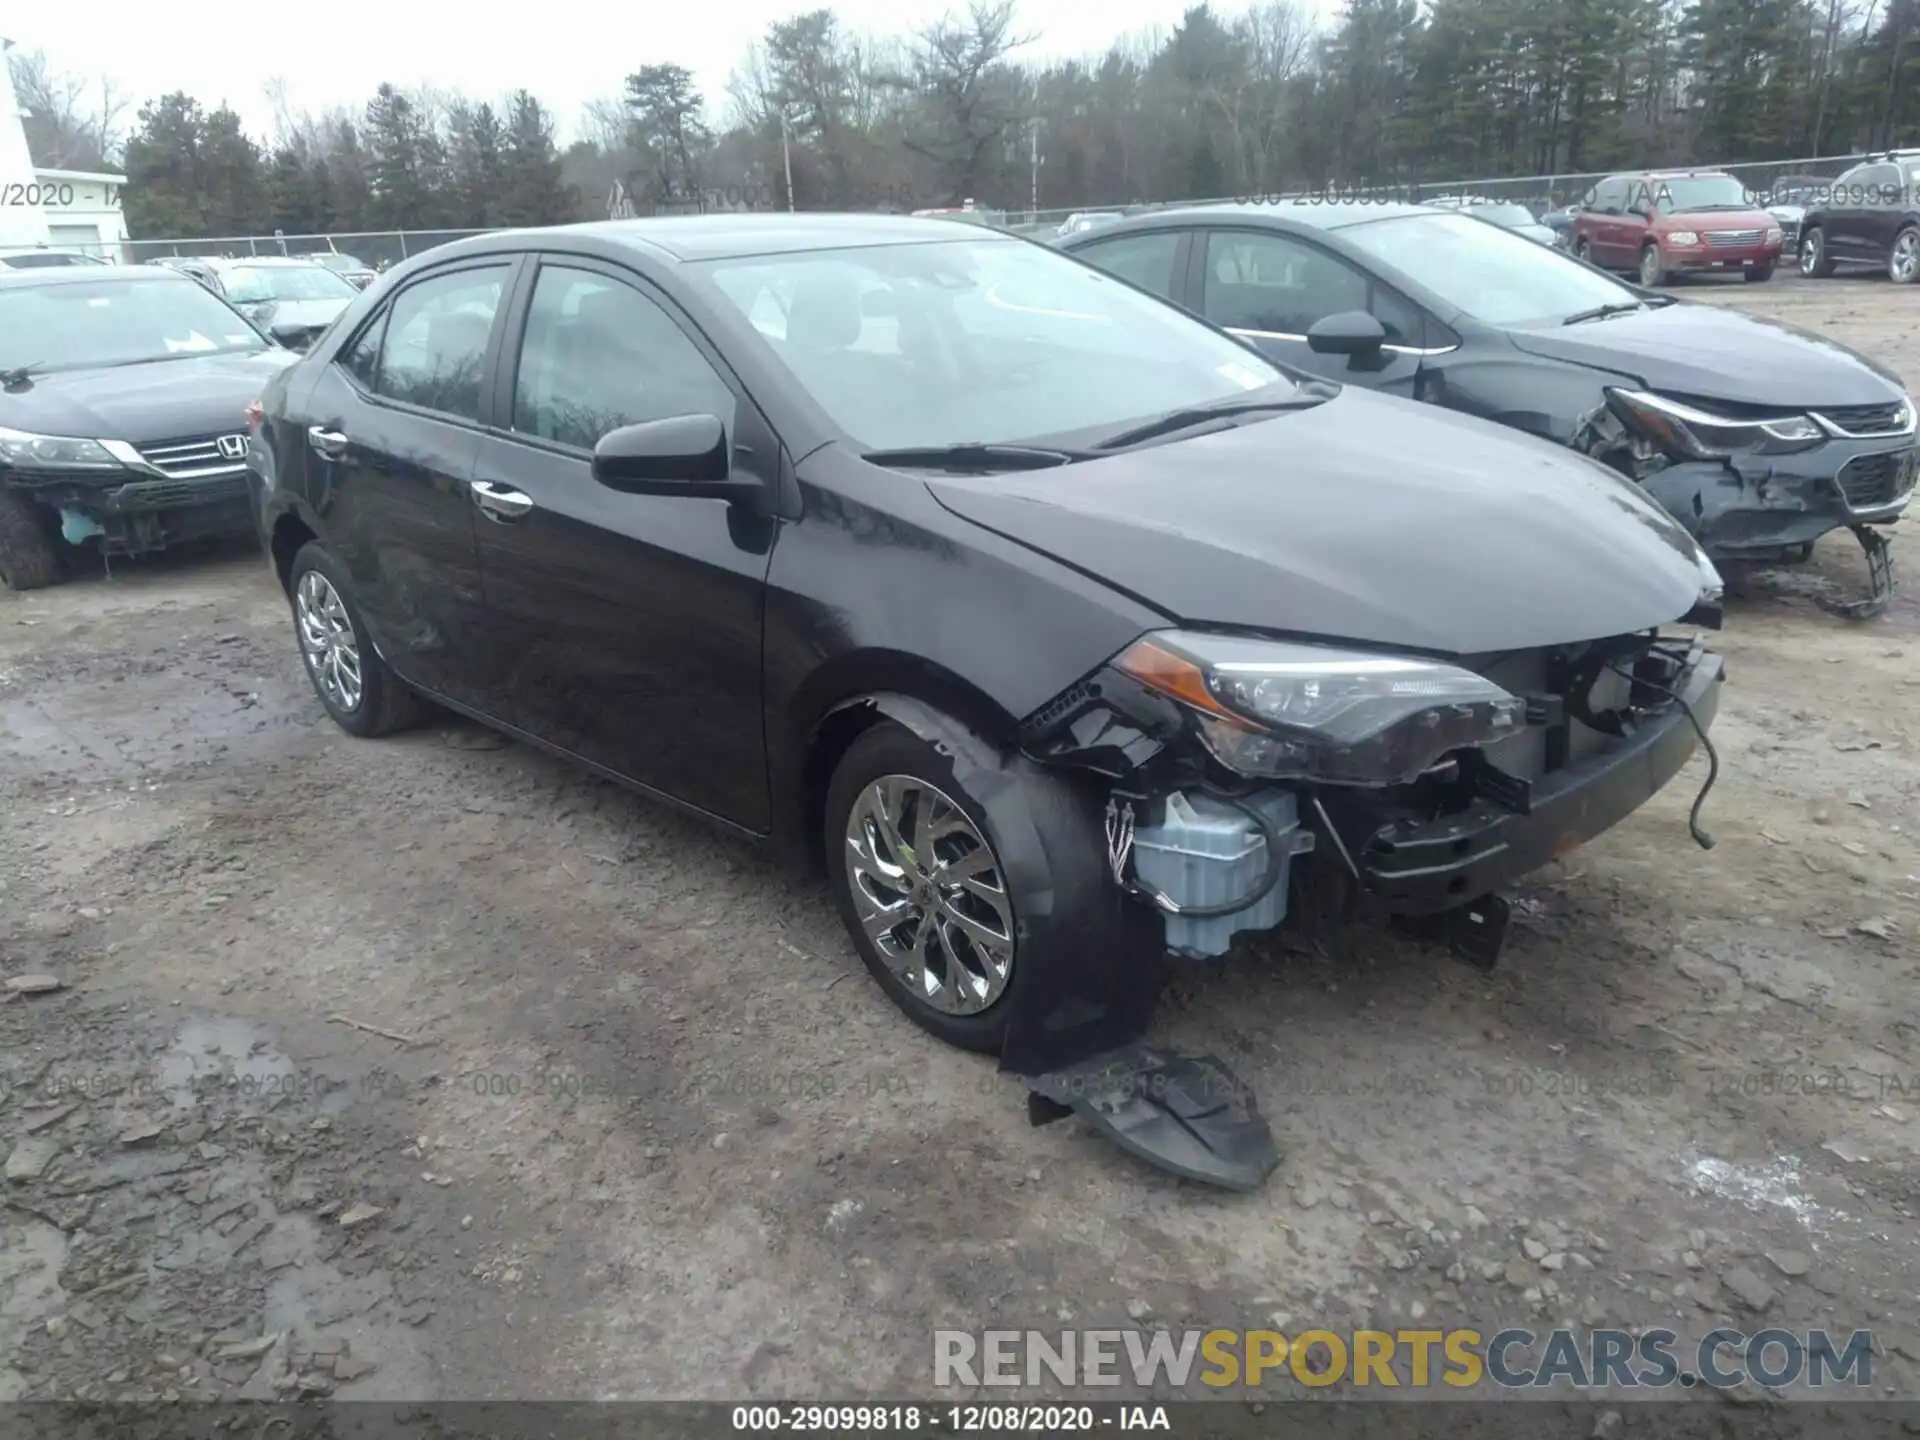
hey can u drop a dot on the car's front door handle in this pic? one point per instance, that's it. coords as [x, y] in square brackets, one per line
[330, 443]
[497, 502]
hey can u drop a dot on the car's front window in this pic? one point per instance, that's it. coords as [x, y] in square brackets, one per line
[260, 285]
[1689, 193]
[79, 325]
[1492, 275]
[979, 340]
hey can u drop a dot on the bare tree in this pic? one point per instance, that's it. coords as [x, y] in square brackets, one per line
[970, 96]
[71, 123]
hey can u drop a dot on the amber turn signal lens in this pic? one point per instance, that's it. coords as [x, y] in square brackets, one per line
[1160, 669]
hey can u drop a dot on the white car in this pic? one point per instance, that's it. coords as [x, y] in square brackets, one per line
[1086, 220]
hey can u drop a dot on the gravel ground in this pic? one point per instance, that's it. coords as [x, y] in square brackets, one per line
[430, 1068]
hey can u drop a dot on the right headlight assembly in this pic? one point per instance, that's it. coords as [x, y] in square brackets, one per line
[1278, 710]
[1689, 433]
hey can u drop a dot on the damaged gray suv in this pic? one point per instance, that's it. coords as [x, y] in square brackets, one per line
[1061, 630]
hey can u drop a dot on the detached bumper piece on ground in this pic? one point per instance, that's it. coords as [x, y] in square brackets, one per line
[1471, 792]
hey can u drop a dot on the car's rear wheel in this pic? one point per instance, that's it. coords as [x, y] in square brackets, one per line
[1652, 270]
[362, 695]
[1815, 263]
[1903, 265]
[29, 554]
[1759, 274]
[922, 888]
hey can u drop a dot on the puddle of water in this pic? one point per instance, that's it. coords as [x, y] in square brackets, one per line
[29, 1277]
[228, 1048]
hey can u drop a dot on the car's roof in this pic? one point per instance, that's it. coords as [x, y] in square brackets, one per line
[716, 237]
[1330, 215]
[90, 275]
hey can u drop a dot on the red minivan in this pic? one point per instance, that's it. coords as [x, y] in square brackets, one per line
[1659, 223]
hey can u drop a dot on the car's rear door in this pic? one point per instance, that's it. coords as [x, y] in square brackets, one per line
[1849, 215]
[392, 427]
[1271, 288]
[628, 626]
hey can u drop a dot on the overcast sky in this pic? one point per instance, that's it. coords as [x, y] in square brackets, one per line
[566, 51]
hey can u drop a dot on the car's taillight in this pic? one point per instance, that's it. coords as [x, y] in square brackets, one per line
[254, 415]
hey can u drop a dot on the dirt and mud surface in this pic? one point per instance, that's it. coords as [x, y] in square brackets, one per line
[430, 1068]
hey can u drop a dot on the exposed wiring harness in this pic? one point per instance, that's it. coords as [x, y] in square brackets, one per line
[1120, 851]
[1700, 835]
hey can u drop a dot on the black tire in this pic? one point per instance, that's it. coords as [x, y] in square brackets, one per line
[1652, 271]
[1582, 250]
[29, 553]
[1903, 260]
[889, 749]
[1815, 263]
[1758, 274]
[385, 704]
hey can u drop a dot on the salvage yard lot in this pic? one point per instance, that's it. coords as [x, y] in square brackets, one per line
[431, 1067]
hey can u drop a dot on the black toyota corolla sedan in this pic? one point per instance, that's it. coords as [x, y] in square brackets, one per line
[1757, 437]
[1061, 629]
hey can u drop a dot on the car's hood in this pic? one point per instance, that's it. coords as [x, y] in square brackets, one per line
[1713, 353]
[176, 399]
[1367, 518]
[297, 314]
[1793, 214]
[1542, 233]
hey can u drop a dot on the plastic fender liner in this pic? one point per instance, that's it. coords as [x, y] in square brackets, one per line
[1106, 956]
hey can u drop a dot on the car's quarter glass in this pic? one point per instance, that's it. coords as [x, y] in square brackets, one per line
[390, 452]
[978, 340]
[626, 627]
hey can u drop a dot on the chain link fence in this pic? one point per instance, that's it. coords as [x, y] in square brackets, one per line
[1540, 193]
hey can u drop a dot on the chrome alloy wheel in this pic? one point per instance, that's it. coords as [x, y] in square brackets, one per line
[1905, 264]
[930, 895]
[327, 642]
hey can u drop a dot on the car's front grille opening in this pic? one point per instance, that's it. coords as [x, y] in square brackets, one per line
[1870, 480]
[1728, 239]
[190, 459]
[1889, 419]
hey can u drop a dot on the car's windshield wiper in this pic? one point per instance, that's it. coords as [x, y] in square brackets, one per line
[21, 374]
[976, 458]
[1178, 420]
[1601, 312]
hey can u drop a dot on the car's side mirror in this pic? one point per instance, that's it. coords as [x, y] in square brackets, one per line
[681, 455]
[1353, 332]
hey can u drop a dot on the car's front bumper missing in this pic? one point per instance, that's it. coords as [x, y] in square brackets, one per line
[1419, 865]
[1764, 508]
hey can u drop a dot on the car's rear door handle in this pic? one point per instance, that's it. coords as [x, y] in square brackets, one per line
[330, 443]
[498, 502]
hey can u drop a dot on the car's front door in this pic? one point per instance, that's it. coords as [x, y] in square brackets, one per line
[1271, 289]
[627, 626]
[392, 428]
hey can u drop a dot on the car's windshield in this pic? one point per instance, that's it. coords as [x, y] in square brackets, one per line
[1699, 192]
[1493, 275]
[254, 285]
[986, 340]
[1505, 214]
[337, 262]
[78, 324]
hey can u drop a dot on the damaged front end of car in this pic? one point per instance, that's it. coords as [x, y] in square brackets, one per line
[1758, 487]
[1249, 782]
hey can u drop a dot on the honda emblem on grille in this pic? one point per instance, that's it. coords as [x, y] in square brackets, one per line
[232, 447]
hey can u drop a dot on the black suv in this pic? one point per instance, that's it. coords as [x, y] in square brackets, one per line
[1869, 216]
[123, 398]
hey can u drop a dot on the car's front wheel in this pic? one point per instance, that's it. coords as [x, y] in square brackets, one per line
[922, 888]
[1815, 263]
[362, 695]
[1903, 265]
[1652, 270]
[1582, 250]
[29, 555]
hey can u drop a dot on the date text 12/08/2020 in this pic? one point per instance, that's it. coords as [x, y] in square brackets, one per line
[59, 194]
